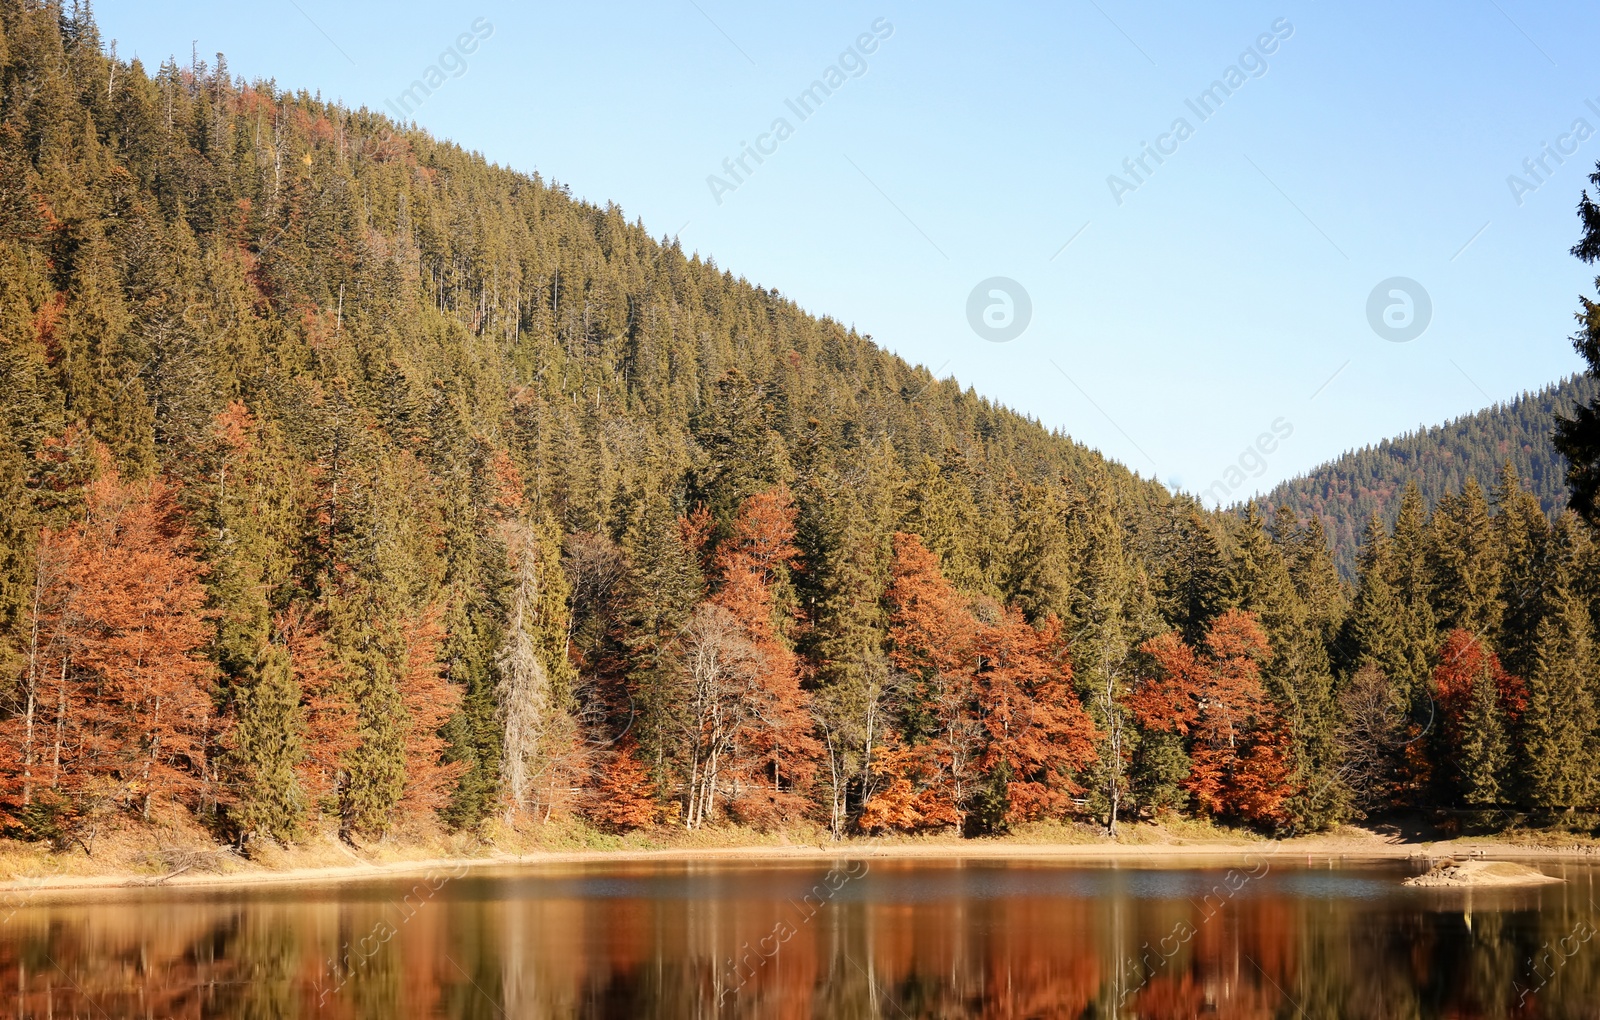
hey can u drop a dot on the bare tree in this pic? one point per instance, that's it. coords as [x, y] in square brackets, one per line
[526, 698]
[721, 668]
[1370, 737]
[850, 717]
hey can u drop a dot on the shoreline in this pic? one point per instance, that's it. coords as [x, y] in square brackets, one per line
[1317, 848]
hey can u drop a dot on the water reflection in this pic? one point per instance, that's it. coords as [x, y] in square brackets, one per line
[890, 939]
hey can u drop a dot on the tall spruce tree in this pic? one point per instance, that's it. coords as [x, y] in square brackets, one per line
[1110, 616]
[1466, 562]
[267, 750]
[1578, 437]
[1484, 755]
[1523, 534]
[1560, 733]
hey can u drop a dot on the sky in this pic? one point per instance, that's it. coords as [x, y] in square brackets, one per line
[1364, 229]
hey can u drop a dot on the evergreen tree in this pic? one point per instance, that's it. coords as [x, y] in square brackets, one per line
[1111, 613]
[1560, 725]
[1523, 534]
[1578, 436]
[375, 766]
[1483, 755]
[1479, 708]
[533, 667]
[1465, 561]
[1416, 579]
[267, 750]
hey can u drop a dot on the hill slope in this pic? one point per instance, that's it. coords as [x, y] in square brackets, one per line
[1346, 493]
[363, 396]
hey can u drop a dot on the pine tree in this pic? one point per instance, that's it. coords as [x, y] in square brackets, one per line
[1416, 582]
[1523, 534]
[1578, 436]
[1483, 755]
[1466, 563]
[1112, 613]
[1042, 561]
[1377, 632]
[1304, 619]
[375, 767]
[1560, 725]
[267, 750]
[942, 512]
[663, 586]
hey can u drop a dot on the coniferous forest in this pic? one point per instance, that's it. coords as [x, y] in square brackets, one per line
[350, 482]
[1348, 491]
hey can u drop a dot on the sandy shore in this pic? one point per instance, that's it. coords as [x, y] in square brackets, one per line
[1357, 846]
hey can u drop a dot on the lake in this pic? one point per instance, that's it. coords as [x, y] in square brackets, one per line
[1270, 936]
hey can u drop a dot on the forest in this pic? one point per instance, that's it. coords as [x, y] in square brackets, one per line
[1347, 491]
[352, 483]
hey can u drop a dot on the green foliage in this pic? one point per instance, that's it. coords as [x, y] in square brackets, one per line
[266, 748]
[1484, 756]
[1560, 724]
[1347, 492]
[387, 375]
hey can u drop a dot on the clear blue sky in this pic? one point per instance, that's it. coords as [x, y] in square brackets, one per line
[1223, 292]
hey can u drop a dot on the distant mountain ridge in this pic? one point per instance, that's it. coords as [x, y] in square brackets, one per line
[1347, 491]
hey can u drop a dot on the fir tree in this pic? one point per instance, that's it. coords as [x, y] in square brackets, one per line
[267, 750]
[1523, 535]
[1560, 725]
[1578, 436]
[1466, 562]
[1483, 754]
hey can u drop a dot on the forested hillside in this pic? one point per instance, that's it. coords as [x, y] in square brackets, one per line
[353, 485]
[1347, 492]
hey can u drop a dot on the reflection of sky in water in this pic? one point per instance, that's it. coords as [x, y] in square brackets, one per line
[925, 881]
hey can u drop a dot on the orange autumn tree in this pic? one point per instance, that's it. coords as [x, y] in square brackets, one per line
[928, 778]
[1038, 737]
[996, 733]
[119, 712]
[429, 699]
[775, 751]
[622, 798]
[1215, 700]
[330, 713]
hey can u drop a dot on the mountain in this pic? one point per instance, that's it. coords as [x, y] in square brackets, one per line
[1346, 492]
[353, 487]
[389, 417]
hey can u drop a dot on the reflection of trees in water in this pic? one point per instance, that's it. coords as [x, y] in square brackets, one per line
[1258, 956]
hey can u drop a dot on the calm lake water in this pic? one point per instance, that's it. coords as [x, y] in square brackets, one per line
[1268, 937]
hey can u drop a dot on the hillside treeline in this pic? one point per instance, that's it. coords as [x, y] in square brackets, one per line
[1348, 491]
[351, 483]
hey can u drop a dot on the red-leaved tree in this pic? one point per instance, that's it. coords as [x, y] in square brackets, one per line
[1038, 737]
[775, 752]
[430, 699]
[1214, 699]
[933, 638]
[119, 709]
